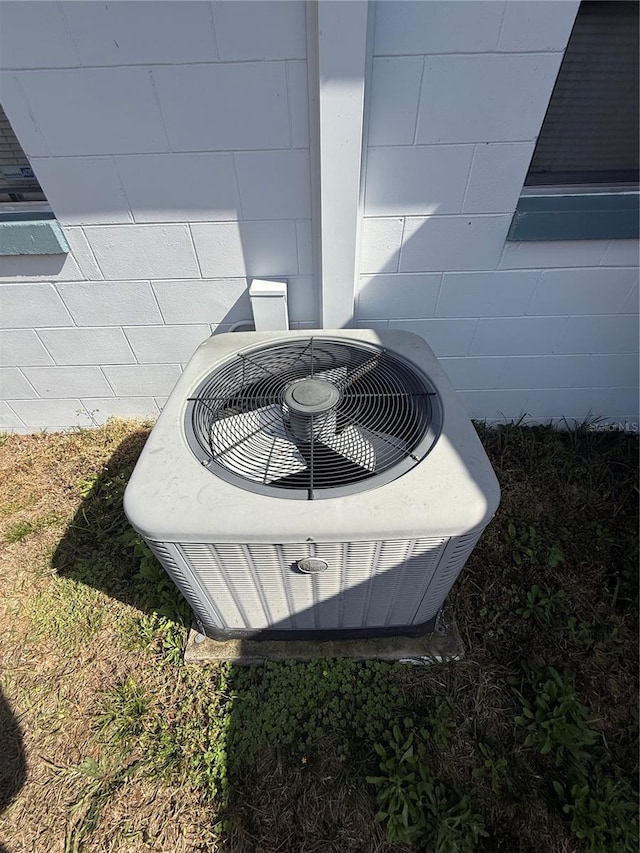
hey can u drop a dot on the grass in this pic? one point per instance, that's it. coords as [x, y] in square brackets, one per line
[529, 744]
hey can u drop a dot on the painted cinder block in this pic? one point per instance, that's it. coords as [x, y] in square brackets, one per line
[259, 30]
[274, 184]
[557, 253]
[472, 374]
[142, 380]
[52, 414]
[223, 300]
[600, 334]
[396, 296]
[208, 119]
[87, 346]
[404, 28]
[83, 190]
[22, 121]
[419, 180]
[101, 409]
[30, 268]
[298, 86]
[14, 385]
[621, 253]
[531, 25]
[22, 347]
[497, 176]
[304, 239]
[624, 401]
[23, 306]
[486, 294]
[82, 254]
[569, 371]
[165, 343]
[495, 406]
[110, 303]
[9, 420]
[34, 35]
[576, 404]
[395, 90]
[445, 337]
[519, 336]
[140, 32]
[302, 300]
[118, 110]
[584, 291]
[180, 187]
[452, 243]
[254, 249]
[485, 98]
[143, 251]
[381, 242]
[68, 381]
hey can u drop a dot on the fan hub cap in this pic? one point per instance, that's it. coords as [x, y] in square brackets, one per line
[311, 396]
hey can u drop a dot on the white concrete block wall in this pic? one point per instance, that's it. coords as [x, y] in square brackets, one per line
[458, 94]
[172, 142]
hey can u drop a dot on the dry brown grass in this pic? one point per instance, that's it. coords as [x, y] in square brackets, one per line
[53, 688]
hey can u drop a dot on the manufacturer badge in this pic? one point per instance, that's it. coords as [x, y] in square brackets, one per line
[312, 566]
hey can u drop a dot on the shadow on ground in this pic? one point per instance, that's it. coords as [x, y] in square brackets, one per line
[99, 549]
[13, 763]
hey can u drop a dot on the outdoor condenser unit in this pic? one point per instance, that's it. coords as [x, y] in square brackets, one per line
[313, 485]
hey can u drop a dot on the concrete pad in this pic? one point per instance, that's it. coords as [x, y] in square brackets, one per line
[443, 644]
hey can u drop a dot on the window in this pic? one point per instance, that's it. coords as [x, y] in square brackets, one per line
[583, 178]
[28, 224]
[17, 181]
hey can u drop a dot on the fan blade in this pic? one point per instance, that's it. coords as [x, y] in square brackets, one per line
[361, 446]
[336, 375]
[269, 442]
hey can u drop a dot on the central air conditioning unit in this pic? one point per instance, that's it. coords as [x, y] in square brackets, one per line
[318, 485]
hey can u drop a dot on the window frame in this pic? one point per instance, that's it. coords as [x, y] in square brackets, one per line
[574, 206]
[583, 212]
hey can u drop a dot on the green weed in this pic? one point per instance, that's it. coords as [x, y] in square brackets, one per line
[528, 547]
[493, 767]
[124, 712]
[601, 808]
[414, 806]
[542, 605]
[19, 531]
[439, 722]
[188, 745]
[603, 812]
[556, 722]
[298, 706]
[67, 612]
[88, 484]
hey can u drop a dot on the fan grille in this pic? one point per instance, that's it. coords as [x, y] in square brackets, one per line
[380, 418]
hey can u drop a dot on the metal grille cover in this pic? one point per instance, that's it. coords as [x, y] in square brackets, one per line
[258, 587]
[312, 418]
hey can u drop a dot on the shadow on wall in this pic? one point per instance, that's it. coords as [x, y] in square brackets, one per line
[13, 763]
